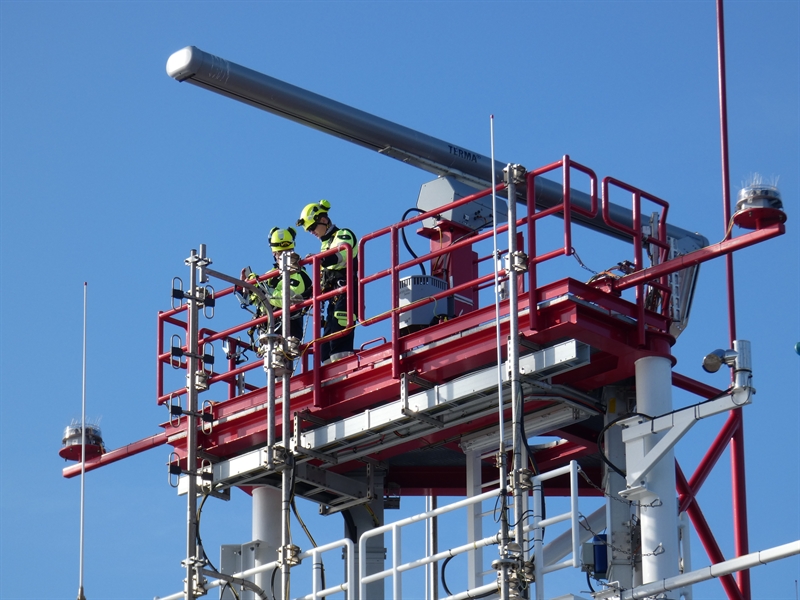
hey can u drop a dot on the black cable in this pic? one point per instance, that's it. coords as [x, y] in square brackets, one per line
[231, 588]
[198, 540]
[311, 539]
[600, 446]
[531, 459]
[272, 581]
[589, 582]
[203, 548]
[405, 240]
[444, 580]
[351, 531]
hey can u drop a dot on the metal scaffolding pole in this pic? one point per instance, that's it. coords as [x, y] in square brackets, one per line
[501, 565]
[517, 426]
[196, 263]
[286, 476]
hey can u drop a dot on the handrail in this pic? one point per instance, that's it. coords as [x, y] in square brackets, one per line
[397, 569]
[566, 209]
[539, 523]
[638, 239]
[357, 310]
[313, 554]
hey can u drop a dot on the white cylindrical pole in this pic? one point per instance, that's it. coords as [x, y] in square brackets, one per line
[660, 552]
[431, 548]
[267, 530]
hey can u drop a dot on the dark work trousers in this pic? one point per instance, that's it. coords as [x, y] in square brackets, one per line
[345, 343]
[295, 327]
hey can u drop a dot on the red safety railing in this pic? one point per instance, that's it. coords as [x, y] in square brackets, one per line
[396, 268]
[208, 336]
[639, 239]
[565, 209]
[526, 225]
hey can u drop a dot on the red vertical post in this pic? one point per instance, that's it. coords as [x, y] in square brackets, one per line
[706, 536]
[316, 324]
[533, 314]
[566, 188]
[738, 480]
[395, 320]
[159, 352]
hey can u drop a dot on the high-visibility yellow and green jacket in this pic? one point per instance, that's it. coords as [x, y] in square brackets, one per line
[334, 266]
[301, 289]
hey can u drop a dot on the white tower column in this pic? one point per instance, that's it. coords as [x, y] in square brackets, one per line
[660, 554]
[266, 529]
[618, 514]
[474, 519]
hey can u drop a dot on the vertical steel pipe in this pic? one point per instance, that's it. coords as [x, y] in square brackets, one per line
[288, 466]
[193, 315]
[512, 356]
[501, 452]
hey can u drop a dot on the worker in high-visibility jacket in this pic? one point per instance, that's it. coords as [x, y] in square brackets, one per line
[314, 219]
[301, 288]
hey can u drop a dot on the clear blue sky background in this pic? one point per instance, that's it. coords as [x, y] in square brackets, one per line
[112, 172]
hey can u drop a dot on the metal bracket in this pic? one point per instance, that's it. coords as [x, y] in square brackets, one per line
[674, 425]
[515, 173]
[198, 582]
[518, 262]
[201, 380]
[208, 301]
[414, 377]
[299, 417]
[521, 479]
[292, 261]
[289, 555]
[236, 580]
[408, 411]
[365, 499]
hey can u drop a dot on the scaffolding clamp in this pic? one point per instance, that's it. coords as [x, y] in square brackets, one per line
[515, 173]
[289, 555]
[291, 348]
[292, 262]
[518, 262]
[200, 380]
[521, 479]
[198, 582]
[207, 301]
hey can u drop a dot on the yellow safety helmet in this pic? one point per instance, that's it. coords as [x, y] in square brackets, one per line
[311, 214]
[281, 239]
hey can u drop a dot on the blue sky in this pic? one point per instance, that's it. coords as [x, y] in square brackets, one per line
[110, 172]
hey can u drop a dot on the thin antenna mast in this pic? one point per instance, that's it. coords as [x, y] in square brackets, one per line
[83, 448]
[501, 452]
